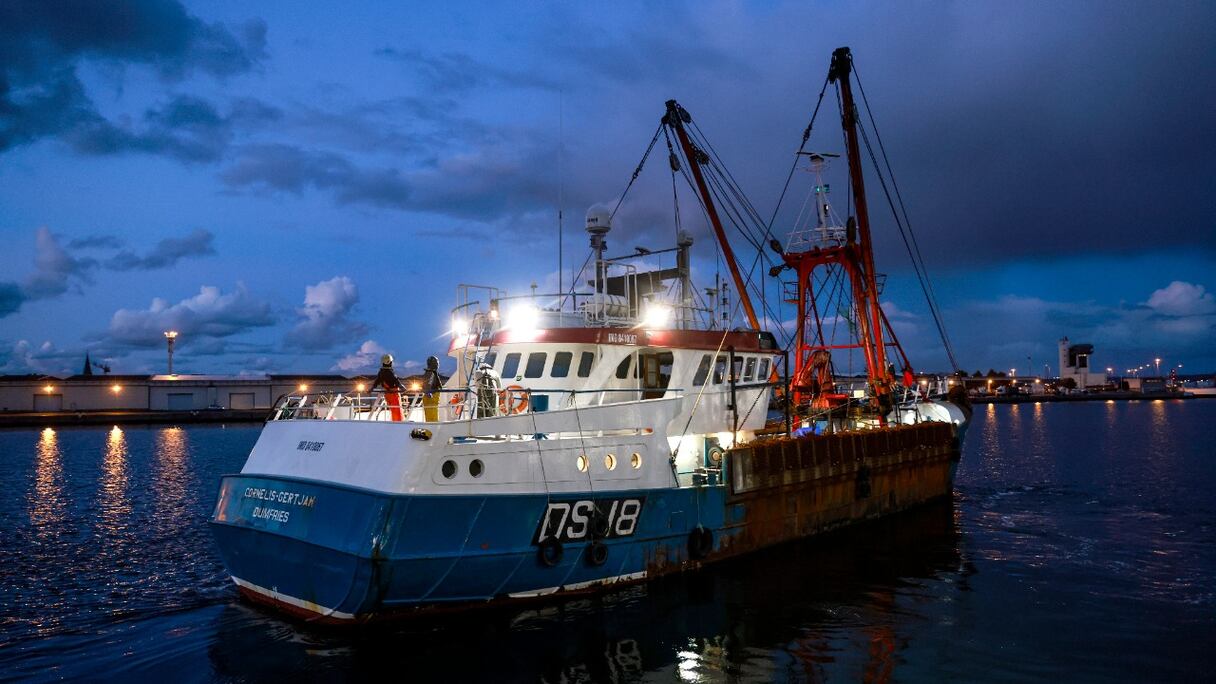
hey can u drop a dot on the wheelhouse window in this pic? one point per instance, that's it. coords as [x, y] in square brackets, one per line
[719, 370]
[536, 365]
[584, 364]
[490, 359]
[561, 364]
[510, 366]
[762, 371]
[702, 372]
[622, 370]
[736, 373]
[749, 369]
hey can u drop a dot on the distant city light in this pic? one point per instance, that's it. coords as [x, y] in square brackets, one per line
[170, 338]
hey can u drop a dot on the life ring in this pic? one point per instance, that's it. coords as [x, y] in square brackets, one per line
[597, 553]
[549, 552]
[457, 404]
[513, 399]
[700, 542]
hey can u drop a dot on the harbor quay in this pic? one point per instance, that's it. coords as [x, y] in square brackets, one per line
[34, 400]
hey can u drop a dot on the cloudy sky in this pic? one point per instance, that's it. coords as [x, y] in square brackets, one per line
[298, 187]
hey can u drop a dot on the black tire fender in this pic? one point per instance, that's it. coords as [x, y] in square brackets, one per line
[597, 553]
[549, 552]
[700, 542]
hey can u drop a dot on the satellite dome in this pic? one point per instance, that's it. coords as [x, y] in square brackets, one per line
[599, 220]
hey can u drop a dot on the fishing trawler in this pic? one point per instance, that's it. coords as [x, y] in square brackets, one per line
[620, 431]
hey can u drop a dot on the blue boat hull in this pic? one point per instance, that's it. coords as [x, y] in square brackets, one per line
[348, 553]
[337, 553]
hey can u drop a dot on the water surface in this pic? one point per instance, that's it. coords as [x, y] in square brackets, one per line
[1079, 545]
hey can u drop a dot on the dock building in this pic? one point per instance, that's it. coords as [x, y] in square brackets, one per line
[1076, 362]
[93, 392]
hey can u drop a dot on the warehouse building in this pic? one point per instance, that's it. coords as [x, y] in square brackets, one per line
[45, 393]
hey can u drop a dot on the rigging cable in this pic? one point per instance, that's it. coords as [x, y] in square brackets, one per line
[637, 171]
[907, 245]
[926, 282]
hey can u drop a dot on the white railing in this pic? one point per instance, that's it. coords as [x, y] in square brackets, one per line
[453, 405]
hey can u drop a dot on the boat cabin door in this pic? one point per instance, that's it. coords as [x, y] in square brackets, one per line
[656, 373]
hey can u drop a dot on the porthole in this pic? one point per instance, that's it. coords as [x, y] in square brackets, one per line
[449, 469]
[635, 460]
[582, 463]
[610, 462]
[476, 468]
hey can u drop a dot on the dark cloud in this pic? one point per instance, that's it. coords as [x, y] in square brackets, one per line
[285, 168]
[166, 253]
[11, 298]
[41, 45]
[325, 317]
[23, 356]
[55, 270]
[186, 128]
[411, 128]
[454, 71]
[96, 242]
[211, 313]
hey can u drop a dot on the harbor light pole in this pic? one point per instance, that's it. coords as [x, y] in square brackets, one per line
[1158, 362]
[170, 337]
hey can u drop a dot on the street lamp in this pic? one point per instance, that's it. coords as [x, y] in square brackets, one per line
[1158, 362]
[170, 338]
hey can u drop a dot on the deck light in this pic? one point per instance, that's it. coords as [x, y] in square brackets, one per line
[460, 326]
[360, 387]
[657, 316]
[303, 387]
[115, 388]
[414, 387]
[523, 318]
[49, 388]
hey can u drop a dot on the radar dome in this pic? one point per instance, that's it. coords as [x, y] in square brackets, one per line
[599, 220]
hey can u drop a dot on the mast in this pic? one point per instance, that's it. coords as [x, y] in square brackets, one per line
[675, 119]
[850, 249]
[866, 288]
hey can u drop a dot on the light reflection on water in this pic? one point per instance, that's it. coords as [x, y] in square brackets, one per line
[113, 499]
[46, 499]
[1089, 520]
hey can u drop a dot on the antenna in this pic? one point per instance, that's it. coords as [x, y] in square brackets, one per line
[561, 186]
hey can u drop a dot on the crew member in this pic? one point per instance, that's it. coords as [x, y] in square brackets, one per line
[387, 379]
[486, 383]
[431, 384]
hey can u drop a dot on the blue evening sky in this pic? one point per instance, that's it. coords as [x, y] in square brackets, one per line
[301, 186]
